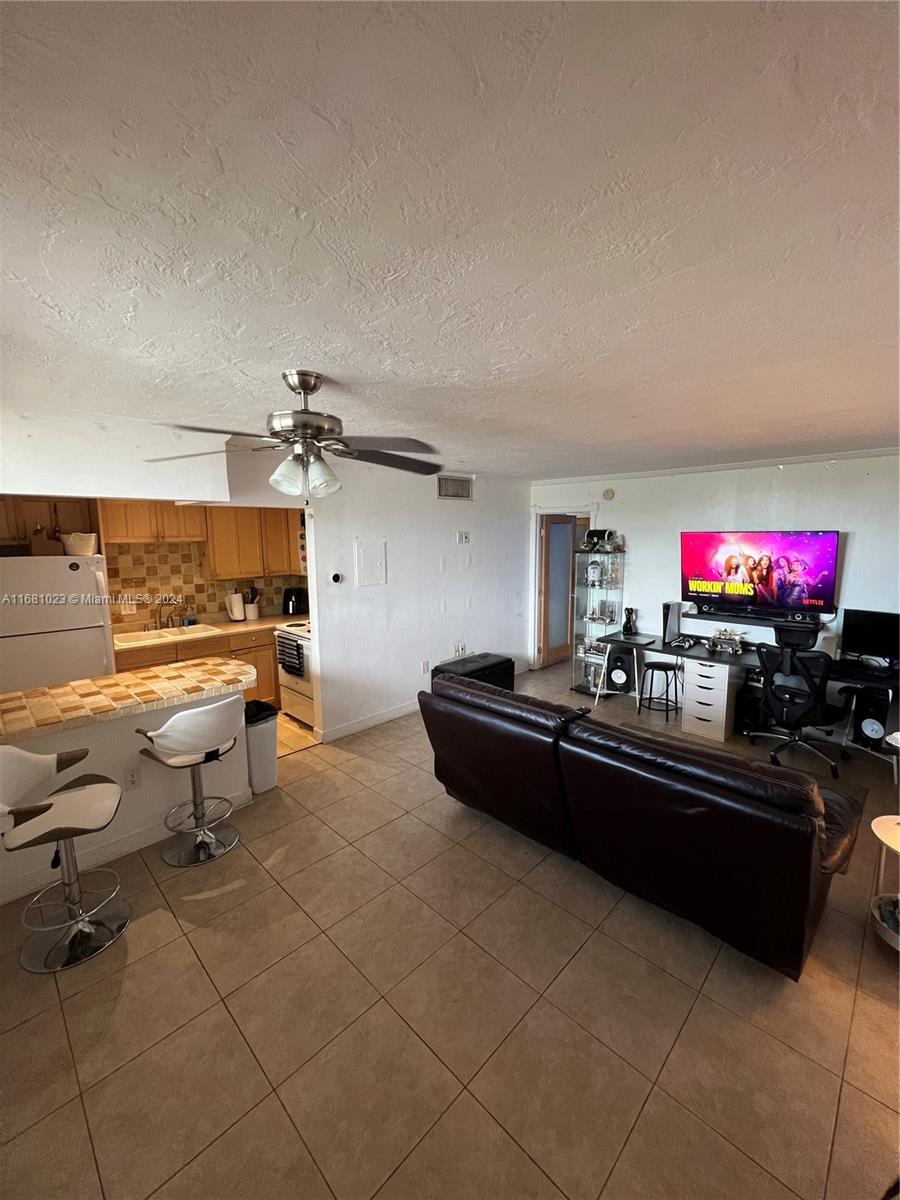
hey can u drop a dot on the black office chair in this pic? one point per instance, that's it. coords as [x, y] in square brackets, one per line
[794, 687]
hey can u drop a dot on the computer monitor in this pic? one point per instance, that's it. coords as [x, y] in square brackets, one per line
[871, 634]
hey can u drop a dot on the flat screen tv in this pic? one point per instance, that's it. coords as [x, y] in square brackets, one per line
[767, 572]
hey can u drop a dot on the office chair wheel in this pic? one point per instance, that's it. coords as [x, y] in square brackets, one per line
[834, 773]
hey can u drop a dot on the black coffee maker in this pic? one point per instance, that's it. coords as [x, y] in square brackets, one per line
[295, 602]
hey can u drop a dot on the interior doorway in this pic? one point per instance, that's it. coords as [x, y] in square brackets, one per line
[559, 535]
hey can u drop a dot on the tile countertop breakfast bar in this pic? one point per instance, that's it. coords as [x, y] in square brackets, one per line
[102, 715]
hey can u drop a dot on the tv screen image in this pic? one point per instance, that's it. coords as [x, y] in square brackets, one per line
[770, 569]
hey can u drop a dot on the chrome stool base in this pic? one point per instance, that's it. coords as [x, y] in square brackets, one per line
[58, 949]
[195, 849]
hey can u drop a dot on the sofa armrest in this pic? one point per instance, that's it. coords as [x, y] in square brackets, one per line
[843, 814]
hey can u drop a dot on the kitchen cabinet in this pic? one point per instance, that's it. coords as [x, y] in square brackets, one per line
[280, 536]
[128, 520]
[151, 521]
[234, 545]
[181, 522]
[146, 656]
[20, 515]
[264, 661]
[12, 525]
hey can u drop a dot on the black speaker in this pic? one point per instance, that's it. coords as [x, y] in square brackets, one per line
[870, 716]
[620, 671]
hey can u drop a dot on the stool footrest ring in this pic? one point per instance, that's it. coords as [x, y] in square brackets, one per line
[181, 819]
[49, 909]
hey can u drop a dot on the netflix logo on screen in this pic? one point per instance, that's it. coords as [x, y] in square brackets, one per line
[764, 569]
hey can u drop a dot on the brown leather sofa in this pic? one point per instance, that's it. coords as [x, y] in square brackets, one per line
[744, 849]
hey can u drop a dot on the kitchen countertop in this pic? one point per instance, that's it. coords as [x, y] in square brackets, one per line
[225, 626]
[63, 706]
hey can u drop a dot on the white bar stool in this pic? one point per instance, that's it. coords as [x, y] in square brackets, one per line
[187, 741]
[80, 915]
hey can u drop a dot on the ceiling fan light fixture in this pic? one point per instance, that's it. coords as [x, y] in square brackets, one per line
[289, 477]
[322, 480]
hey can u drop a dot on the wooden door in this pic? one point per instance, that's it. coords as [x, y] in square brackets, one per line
[181, 522]
[234, 545]
[557, 537]
[275, 541]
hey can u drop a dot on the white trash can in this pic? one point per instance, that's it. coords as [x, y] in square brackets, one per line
[262, 745]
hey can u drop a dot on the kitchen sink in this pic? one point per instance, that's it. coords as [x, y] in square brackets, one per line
[188, 631]
[148, 637]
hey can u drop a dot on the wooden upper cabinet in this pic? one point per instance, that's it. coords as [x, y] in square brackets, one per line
[128, 520]
[151, 521]
[280, 528]
[181, 522]
[234, 544]
[12, 526]
[20, 516]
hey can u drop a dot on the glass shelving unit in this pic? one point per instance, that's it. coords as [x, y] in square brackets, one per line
[597, 612]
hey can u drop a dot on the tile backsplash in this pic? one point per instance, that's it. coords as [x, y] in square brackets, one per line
[175, 568]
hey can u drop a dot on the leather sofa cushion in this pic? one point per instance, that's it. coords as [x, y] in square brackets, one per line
[777, 787]
[517, 707]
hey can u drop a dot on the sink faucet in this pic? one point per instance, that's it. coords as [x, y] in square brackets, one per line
[159, 609]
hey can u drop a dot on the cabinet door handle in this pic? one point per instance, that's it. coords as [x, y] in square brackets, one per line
[703, 688]
[705, 703]
[705, 720]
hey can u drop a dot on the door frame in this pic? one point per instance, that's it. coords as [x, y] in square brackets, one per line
[592, 512]
[544, 649]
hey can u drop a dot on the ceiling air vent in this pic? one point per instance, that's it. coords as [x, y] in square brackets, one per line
[455, 487]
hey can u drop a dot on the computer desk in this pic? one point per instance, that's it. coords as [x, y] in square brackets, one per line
[739, 664]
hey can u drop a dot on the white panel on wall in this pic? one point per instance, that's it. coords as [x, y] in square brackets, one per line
[370, 562]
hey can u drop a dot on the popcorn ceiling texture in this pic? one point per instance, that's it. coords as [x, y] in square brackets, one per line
[552, 239]
[175, 568]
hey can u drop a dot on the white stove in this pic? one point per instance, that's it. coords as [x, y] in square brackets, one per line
[297, 672]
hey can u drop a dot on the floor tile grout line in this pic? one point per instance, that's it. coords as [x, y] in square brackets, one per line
[87, 1123]
[837, 1109]
[703, 1121]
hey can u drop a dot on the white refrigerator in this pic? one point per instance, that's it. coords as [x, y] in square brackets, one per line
[54, 621]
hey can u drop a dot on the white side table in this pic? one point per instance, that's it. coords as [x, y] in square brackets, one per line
[887, 830]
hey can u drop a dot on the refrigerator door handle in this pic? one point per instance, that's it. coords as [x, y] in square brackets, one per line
[109, 653]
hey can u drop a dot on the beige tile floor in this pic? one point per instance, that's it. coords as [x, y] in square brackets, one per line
[382, 993]
[292, 735]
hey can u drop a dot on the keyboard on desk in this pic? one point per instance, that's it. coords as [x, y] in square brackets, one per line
[850, 670]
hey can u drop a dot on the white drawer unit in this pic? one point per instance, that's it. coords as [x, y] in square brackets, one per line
[708, 700]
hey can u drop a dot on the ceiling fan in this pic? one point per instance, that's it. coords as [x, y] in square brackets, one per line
[305, 472]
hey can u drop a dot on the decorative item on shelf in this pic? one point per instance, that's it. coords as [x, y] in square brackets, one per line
[594, 572]
[602, 541]
[728, 641]
[629, 625]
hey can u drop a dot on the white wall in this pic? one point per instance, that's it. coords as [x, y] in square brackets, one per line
[372, 640]
[858, 496]
[84, 455]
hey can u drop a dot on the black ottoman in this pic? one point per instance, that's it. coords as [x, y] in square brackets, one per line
[489, 668]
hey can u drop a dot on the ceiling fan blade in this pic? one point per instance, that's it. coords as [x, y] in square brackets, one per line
[417, 466]
[279, 445]
[388, 443]
[173, 457]
[223, 432]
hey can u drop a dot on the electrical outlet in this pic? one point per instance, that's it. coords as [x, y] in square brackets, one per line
[127, 608]
[132, 778]
[462, 537]
[459, 649]
[424, 666]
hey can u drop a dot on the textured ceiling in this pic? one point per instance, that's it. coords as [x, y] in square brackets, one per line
[553, 239]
